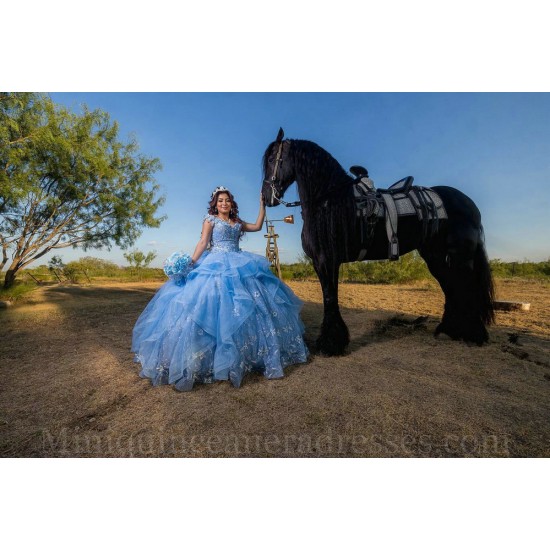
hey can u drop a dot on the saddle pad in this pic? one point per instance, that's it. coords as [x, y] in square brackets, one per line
[412, 203]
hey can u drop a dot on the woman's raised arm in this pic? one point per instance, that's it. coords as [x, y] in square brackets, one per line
[251, 227]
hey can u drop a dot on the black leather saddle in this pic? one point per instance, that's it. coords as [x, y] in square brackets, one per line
[362, 176]
[401, 186]
[359, 172]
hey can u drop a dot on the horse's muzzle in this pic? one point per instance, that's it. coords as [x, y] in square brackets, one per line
[269, 194]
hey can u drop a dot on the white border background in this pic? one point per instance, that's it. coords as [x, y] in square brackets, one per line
[284, 45]
[276, 46]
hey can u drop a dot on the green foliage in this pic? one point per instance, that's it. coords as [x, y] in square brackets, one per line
[40, 274]
[96, 267]
[299, 271]
[66, 179]
[408, 268]
[23, 122]
[525, 269]
[72, 274]
[90, 270]
[56, 262]
[137, 259]
[16, 291]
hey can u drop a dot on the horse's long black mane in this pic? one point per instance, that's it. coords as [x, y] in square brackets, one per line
[325, 191]
[320, 174]
[318, 167]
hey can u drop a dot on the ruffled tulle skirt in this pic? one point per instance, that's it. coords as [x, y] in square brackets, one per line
[231, 316]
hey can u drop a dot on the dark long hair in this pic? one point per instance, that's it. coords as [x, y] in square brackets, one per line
[233, 213]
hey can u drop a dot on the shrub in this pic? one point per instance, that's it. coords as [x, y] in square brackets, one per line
[16, 291]
[525, 269]
[408, 268]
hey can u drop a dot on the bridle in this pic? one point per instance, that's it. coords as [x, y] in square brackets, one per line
[273, 180]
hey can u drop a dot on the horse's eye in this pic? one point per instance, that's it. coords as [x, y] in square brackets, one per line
[270, 160]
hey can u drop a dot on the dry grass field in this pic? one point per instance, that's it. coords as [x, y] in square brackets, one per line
[69, 387]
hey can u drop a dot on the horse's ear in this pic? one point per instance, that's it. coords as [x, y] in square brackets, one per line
[280, 135]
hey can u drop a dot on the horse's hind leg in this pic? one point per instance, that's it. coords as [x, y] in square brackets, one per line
[457, 270]
[334, 336]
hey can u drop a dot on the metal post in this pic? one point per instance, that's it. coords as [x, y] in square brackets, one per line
[272, 250]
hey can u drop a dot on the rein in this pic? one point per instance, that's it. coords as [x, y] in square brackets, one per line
[274, 195]
[273, 180]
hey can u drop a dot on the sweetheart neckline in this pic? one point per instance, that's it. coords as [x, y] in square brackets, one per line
[236, 223]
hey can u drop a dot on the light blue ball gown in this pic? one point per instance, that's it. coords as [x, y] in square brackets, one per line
[230, 316]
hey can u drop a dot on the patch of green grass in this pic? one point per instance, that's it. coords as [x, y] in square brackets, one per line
[17, 291]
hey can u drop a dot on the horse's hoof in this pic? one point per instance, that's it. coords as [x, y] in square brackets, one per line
[330, 349]
[442, 336]
[334, 337]
[471, 335]
[477, 336]
[446, 331]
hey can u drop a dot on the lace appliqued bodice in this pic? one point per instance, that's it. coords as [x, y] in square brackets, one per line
[225, 237]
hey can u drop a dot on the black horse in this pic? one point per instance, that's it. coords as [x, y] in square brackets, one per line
[455, 253]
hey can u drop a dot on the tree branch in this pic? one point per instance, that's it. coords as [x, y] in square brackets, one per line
[22, 138]
[4, 252]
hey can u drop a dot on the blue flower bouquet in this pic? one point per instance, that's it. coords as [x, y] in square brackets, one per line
[178, 266]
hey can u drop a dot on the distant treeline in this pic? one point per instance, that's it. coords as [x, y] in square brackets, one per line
[408, 268]
[525, 269]
[88, 268]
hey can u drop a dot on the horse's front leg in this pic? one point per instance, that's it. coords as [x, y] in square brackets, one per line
[334, 336]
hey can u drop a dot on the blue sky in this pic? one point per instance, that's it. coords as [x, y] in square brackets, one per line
[495, 147]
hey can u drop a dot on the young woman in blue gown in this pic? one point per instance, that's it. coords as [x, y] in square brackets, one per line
[230, 315]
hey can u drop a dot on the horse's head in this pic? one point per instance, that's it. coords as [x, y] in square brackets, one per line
[278, 171]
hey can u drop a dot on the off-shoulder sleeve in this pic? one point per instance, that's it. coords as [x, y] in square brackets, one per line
[209, 218]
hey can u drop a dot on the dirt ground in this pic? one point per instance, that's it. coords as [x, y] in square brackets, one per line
[69, 387]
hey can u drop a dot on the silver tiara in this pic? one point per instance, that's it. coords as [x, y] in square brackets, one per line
[217, 190]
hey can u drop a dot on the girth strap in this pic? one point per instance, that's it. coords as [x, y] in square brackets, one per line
[366, 211]
[391, 226]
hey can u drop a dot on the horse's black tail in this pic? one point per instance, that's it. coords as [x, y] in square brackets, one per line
[485, 284]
